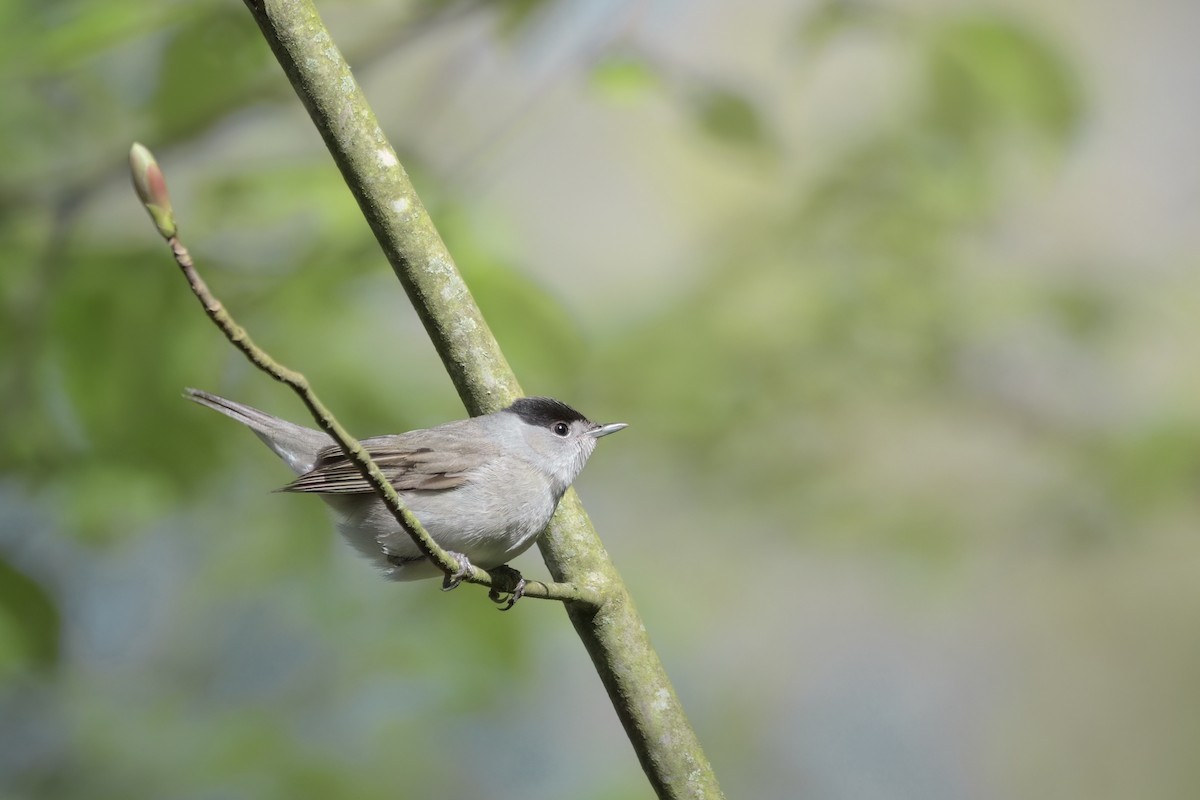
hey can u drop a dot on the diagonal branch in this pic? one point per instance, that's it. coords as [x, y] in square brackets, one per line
[613, 633]
[152, 189]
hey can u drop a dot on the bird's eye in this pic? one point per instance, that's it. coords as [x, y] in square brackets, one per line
[560, 428]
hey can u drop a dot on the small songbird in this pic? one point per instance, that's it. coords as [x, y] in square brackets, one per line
[484, 487]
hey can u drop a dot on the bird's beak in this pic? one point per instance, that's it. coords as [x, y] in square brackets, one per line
[605, 430]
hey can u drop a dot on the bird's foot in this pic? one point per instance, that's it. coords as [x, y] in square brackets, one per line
[453, 580]
[515, 594]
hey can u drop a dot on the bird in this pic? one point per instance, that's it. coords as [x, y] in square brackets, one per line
[483, 487]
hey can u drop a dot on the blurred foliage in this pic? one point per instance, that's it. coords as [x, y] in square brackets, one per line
[29, 623]
[990, 76]
[218, 45]
[729, 116]
[852, 363]
[623, 77]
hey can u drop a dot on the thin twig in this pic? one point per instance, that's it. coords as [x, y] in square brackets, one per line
[354, 451]
[152, 190]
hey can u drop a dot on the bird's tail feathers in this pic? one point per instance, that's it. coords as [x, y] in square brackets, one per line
[296, 445]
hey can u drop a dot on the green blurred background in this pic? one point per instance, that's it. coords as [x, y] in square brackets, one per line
[900, 300]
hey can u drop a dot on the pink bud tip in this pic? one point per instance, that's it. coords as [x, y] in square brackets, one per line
[151, 188]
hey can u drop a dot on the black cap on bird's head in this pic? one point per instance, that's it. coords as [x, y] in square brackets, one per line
[544, 411]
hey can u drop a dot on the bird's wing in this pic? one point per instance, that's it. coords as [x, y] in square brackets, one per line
[407, 460]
